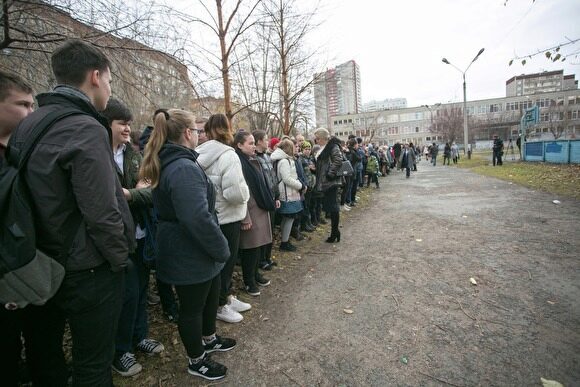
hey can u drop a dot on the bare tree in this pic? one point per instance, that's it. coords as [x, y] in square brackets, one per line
[145, 78]
[229, 25]
[448, 122]
[290, 28]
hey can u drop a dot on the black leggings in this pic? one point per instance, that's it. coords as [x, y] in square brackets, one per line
[232, 233]
[198, 305]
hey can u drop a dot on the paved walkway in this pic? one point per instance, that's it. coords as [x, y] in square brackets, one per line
[403, 269]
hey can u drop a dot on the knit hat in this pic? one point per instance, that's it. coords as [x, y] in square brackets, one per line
[273, 142]
[305, 144]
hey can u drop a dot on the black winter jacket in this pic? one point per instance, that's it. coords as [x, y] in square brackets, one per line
[328, 163]
[191, 248]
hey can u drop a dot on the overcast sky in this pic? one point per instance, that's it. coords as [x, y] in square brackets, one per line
[399, 44]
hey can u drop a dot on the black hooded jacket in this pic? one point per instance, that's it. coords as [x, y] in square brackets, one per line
[191, 246]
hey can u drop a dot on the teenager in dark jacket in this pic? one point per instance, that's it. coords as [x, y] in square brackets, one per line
[72, 177]
[132, 329]
[191, 247]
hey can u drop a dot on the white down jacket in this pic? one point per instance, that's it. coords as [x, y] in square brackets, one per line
[286, 171]
[222, 165]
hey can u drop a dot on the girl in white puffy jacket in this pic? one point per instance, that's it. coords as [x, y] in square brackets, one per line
[290, 189]
[222, 165]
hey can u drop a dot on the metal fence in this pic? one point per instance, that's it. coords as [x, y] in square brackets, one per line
[562, 152]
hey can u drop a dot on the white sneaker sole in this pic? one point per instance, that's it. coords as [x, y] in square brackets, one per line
[229, 320]
[195, 373]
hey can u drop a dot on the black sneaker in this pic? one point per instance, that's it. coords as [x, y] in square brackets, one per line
[252, 290]
[172, 317]
[126, 365]
[264, 265]
[287, 246]
[261, 280]
[207, 369]
[150, 346]
[220, 344]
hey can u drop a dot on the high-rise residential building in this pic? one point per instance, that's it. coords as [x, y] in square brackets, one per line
[545, 82]
[387, 104]
[337, 91]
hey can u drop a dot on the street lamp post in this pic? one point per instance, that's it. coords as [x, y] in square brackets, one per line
[465, 131]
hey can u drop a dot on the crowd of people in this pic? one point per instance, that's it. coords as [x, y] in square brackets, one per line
[183, 203]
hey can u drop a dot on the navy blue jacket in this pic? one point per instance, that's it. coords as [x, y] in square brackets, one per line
[191, 248]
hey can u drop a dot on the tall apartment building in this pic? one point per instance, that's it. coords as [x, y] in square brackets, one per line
[387, 104]
[337, 91]
[545, 82]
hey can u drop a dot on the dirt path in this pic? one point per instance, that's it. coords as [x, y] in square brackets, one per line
[403, 268]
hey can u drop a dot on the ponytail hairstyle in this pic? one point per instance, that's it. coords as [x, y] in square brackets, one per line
[240, 138]
[169, 126]
[218, 128]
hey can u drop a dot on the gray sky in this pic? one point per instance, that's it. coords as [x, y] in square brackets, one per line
[399, 44]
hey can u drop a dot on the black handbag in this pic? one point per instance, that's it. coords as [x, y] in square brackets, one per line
[345, 169]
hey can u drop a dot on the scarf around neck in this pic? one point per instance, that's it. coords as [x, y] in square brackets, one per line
[257, 183]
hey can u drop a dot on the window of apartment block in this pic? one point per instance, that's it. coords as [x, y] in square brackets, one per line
[574, 114]
[545, 117]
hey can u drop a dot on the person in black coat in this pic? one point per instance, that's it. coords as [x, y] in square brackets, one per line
[328, 162]
[191, 247]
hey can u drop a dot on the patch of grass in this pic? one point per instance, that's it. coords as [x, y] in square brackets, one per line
[559, 179]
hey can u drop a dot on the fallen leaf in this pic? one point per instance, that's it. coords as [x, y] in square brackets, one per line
[551, 302]
[556, 201]
[419, 240]
[265, 319]
[464, 216]
[348, 311]
[473, 281]
[550, 383]
[404, 360]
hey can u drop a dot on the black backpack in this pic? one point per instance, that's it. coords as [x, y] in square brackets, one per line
[27, 275]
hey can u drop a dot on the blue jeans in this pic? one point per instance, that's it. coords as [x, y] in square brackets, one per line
[434, 160]
[91, 301]
[133, 325]
[360, 177]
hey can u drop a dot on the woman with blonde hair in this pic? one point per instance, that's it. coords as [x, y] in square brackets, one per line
[222, 165]
[191, 247]
[290, 189]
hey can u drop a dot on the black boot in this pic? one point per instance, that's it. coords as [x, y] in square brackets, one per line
[287, 246]
[335, 233]
[295, 233]
[249, 260]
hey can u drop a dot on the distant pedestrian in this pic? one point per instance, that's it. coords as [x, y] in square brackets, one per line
[434, 151]
[407, 159]
[454, 152]
[497, 150]
[447, 154]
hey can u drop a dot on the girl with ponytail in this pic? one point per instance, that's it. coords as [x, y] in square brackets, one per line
[191, 247]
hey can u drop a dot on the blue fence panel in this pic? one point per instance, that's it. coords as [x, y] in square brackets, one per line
[556, 152]
[575, 152]
[534, 151]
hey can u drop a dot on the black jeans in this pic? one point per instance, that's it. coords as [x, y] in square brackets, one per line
[133, 326]
[232, 233]
[198, 304]
[250, 259]
[91, 301]
[43, 329]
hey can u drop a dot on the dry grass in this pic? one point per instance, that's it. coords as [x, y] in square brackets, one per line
[559, 179]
